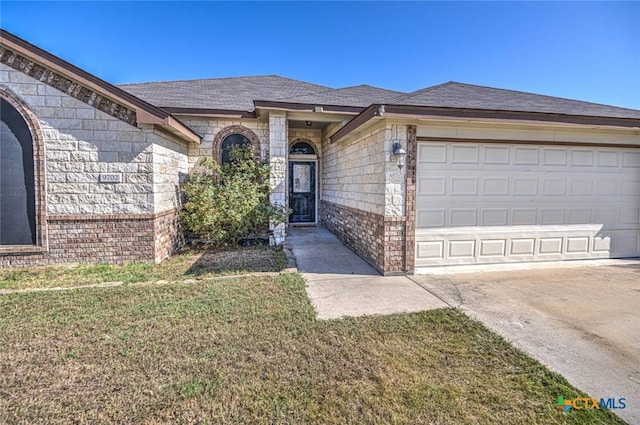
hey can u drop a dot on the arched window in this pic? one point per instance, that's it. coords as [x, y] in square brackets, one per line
[231, 136]
[17, 188]
[232, 141]
[302, 148]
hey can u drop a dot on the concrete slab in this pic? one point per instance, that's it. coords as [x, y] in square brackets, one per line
[583, 323]
[340, 283]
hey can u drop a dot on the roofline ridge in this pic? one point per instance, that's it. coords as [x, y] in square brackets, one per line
[425, 89]
[207, 79]
[373, 87]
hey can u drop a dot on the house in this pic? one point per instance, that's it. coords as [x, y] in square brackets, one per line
[89, 171]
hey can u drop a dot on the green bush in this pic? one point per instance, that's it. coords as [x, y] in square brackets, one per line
[225, 203]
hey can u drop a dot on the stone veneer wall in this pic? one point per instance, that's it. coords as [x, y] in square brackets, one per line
[170, 167]
[87, 220]
[379, 231]
[353, 172]
[80, 143]
[278, 153]
[209, 128]
[314, 136]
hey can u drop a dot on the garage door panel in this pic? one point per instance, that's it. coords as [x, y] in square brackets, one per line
[553, 156]
[446, 248]
[458, 213]
[550, 246]
[494, 216]
[465, 154]
[433, 154]
[607, 159]
[486, 203]
[632, 160]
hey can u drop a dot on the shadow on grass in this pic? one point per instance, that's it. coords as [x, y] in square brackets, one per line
[237, 260]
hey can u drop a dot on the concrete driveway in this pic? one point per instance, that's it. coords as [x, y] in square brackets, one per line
[582, 322]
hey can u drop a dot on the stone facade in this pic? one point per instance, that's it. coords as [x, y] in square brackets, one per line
[364, 197]
[313, 136]
[107, 186]
[278, 151]
[80, 144]
[210, 129]
[353, 172]
[86, 218]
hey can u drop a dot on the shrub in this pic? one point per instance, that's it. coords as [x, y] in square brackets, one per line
[225, 203]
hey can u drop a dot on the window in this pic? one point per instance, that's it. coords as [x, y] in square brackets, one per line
[17, 188]
[302, 148]
[230, 142]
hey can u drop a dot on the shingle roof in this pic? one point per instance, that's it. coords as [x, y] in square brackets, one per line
[468, 96]
[362, 95]
[238, 94]
[235, 93]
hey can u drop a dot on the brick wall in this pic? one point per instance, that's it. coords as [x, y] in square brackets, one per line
[112, 239]
[168, 235]
[379, 240]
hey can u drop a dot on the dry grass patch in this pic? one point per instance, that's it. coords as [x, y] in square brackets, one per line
[194, 262]
[250, 350]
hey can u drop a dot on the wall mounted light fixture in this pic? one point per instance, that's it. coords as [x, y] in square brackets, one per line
[400, 154]
[308, 123]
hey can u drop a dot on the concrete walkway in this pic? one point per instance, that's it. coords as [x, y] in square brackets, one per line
[340, 283]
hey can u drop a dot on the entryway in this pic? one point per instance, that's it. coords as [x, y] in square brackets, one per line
[302, 183]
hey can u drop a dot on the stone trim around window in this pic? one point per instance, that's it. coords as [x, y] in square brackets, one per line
[303, 140]
[235, 129]
[37, 137]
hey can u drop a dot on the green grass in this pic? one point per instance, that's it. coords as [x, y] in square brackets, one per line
[190, 263]
[249, 350]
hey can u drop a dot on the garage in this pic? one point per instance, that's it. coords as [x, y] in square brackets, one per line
[495, 202]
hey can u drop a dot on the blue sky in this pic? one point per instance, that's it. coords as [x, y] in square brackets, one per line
[579, 50]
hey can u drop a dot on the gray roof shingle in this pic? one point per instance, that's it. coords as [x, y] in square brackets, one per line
[235, 93]
[459, 95]
[238, 94]
[362, 96]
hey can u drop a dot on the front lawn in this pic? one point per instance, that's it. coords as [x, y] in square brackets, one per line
[193, 262]
[249, 350]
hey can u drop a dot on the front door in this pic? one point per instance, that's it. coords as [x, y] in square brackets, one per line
[302, 192]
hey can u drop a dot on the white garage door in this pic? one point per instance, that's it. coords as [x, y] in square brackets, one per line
[493, 203]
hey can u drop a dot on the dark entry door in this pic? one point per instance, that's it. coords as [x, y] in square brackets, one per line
[302, 191]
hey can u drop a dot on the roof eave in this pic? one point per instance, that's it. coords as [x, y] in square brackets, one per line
[307, 107]
[369, 113]
[421, 112]
[494, 114]
[208, 112]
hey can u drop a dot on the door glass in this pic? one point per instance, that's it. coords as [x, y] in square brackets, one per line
[301, 178]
